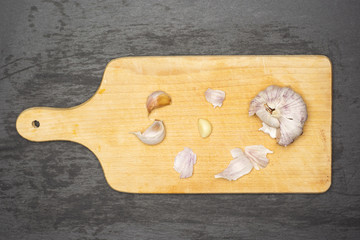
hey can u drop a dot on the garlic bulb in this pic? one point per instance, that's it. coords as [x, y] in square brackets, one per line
[205, 127]
[243, 163]
[215, 97]
[153, 135]
[157, 99]
[184, 163]
[282, 111]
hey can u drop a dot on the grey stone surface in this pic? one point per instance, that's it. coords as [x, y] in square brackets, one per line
[53, 53]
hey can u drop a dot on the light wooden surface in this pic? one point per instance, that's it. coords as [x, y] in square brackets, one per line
[103, 123]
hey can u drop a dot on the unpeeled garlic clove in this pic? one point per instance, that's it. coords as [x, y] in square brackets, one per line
[280, 108]
[184, 162]
[243, 163]
[268, 118]
[157, 99]
[205, 127]
[215, 97]
[153, 135]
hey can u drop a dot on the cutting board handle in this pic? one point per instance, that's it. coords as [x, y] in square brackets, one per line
[45, 124]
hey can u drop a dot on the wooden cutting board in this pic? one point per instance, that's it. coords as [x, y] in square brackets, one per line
[103, 123]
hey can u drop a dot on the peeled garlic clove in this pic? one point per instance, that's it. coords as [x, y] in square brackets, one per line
[215, 97]
[205, 127]
[157, 99]
[184, 163]
[273, 132]
[238, 167]
[280, 108]
[257, 155]
[153, 135]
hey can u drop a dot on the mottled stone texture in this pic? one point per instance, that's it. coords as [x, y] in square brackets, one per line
[53, 53]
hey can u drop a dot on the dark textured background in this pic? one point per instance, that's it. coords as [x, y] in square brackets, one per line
[53, 53]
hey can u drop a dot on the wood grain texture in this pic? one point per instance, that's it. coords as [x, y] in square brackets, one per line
[103, 123]
[53, 53]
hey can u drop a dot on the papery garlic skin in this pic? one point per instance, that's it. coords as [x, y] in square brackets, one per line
[238, 167]
[153, 135]
[157, 99]
[184, 162]
[280, 108]
[257, 155]
[273, 132]
[215, 97]
[243, 163]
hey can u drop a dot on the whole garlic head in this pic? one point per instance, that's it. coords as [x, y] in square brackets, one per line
[282, 111]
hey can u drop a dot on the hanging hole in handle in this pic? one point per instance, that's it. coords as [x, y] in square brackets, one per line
[35, 123]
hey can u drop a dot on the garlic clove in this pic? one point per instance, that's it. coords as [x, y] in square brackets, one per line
[257, 155]
[184, 162]
[215, 97]
[238, 167]
[280, 108]
[205, 127]
[157, 99]
[153, 135]
[273, 132]
[266, 117]
[289, 130]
